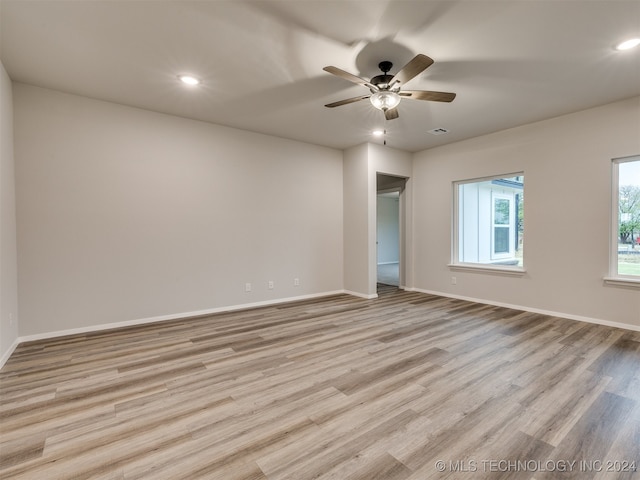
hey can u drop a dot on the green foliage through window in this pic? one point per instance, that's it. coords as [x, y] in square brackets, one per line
[628, 212]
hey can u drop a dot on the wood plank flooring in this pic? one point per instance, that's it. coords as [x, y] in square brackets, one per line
[334, 388]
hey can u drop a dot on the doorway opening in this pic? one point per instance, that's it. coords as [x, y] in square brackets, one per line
[389, 228]
[388, 238]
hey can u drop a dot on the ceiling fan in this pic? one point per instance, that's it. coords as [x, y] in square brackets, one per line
[386, 90]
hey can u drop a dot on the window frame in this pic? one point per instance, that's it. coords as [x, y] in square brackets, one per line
[615, 278]
[456, 264]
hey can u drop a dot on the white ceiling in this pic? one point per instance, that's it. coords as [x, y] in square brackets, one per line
[510, 62]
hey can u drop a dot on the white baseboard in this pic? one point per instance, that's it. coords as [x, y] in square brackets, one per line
[361, 295]
[232, 308]
[163, 318]
[569, 316]
[174, 316]
[7, 354]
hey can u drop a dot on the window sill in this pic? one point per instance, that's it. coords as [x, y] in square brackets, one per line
[622, 282]
[492, 269]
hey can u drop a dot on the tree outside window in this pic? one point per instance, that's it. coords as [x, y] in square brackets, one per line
[627, 198]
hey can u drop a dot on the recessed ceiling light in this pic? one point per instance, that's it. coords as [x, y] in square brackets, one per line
[377, 133]
[189, 80]
[628, 44]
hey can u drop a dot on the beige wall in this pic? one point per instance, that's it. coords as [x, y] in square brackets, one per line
[8, 252]
[567, 167]
[126, 214]
[356, 219]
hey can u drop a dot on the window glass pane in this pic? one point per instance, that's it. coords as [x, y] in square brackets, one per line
[501, 240]
[628, 237]
[501, 212]
[490, 221]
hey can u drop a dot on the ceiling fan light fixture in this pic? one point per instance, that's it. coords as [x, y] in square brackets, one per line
[189, 80]
[385, 100]
[628, 44]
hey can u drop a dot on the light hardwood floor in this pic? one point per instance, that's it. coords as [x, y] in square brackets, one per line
[335, 388]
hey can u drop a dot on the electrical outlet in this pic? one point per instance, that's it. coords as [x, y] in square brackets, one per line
[454, 281]
[271, 284]
[296, 282]
[247, 287]
[11, 319]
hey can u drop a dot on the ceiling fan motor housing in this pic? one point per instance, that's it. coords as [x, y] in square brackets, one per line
[381, 81]
[385, 66]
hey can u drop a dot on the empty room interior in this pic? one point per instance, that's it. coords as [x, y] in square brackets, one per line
[355, 240]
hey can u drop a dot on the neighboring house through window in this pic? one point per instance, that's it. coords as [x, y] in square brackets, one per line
[489, 221]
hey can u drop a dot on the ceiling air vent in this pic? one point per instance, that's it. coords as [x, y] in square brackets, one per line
[438, 131]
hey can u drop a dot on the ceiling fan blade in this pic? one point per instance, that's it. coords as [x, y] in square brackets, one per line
[349, 76]
[347, 101]
[417, 65]
[391, 113]
[426, 95]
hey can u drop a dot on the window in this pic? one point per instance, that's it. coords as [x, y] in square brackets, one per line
[502, 226]
[626, 218]
[489, 221]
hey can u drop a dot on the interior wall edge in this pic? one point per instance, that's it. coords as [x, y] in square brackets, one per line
[9, 312]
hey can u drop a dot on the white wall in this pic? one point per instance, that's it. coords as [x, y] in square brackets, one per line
[388, 229]
[126, 214]
[8, 252]
[567, 170]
